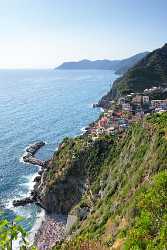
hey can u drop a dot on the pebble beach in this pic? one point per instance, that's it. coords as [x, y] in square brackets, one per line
[52, 230]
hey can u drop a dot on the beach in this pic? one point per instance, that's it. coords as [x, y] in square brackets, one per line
[51, 231]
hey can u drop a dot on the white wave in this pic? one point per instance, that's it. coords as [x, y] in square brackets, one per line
[24, 212]
[37, 224]
[21, 159]
[25, 154]
[9, 202]
[56, 149]
[83, 130]
[91, 105]
[30, 182]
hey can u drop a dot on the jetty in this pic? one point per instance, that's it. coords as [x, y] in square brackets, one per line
[31, 150]
[29, 157]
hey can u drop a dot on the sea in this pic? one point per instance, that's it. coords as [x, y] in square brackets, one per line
[43, 105]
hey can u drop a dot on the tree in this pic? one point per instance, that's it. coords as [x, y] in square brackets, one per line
[10, 232]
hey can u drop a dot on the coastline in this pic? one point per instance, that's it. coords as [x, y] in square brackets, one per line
[26, 180]
[45, 222]
[52, 228]
[51, 231]
[37, 225]
[54, 222]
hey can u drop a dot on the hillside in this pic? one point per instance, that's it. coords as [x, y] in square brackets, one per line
[150, 71]
[87, 64]
[120, 66]
[115, 186]
[126, 64]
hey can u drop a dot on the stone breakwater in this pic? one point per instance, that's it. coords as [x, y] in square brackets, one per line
[29, 157]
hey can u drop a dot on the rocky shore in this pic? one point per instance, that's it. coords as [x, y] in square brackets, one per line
[52, 231]
[29, 157]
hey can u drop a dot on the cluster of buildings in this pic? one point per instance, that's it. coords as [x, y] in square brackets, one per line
[125, 111]
[111, 122]
[159, 105]
[142, 104]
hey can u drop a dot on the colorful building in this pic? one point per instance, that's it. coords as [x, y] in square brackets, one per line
[137, 99]
[159, 103]
[146, 99]
[126, 107]
[103, 121]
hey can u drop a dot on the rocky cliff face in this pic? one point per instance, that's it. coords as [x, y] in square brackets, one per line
[69, 173]
[124, 204]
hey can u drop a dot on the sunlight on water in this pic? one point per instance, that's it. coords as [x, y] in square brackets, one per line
[41, 105]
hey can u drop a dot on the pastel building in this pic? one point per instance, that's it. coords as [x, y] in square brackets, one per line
[103, 121]
[159, 103]
[146, 99]
[126, 107]
[137, 99]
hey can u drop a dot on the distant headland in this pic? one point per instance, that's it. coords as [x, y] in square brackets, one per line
[119, 66]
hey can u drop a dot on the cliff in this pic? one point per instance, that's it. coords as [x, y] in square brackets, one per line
[151, 71]
[124, 205]
[73, 167]
[115, 185]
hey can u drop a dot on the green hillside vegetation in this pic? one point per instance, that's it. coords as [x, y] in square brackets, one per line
[74, 165]
[150, 71]
[127, 197]
[12, 231]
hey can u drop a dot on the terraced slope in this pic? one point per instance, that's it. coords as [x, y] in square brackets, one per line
[119, 185]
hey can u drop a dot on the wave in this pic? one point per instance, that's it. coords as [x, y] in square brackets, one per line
[23, 211]
[83, 130]
[30, 182]
[37, 224]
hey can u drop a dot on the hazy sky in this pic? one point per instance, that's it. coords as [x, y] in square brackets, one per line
[44, 33]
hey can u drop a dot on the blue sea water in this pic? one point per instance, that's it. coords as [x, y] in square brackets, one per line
[41, 105]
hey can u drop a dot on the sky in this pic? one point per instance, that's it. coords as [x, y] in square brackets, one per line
[45, 33]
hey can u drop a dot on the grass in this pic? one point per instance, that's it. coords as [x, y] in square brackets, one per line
[129, 187]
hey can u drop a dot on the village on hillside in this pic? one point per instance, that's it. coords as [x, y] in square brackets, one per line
[127, 110]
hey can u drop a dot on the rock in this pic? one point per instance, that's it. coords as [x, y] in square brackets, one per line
[32, 149]
[30, 152]
[71, 220]
[37, 178]
[83, 212]
[34, 161]
[95, 105]
[23, 202]
[34, 194]
[40, 172]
